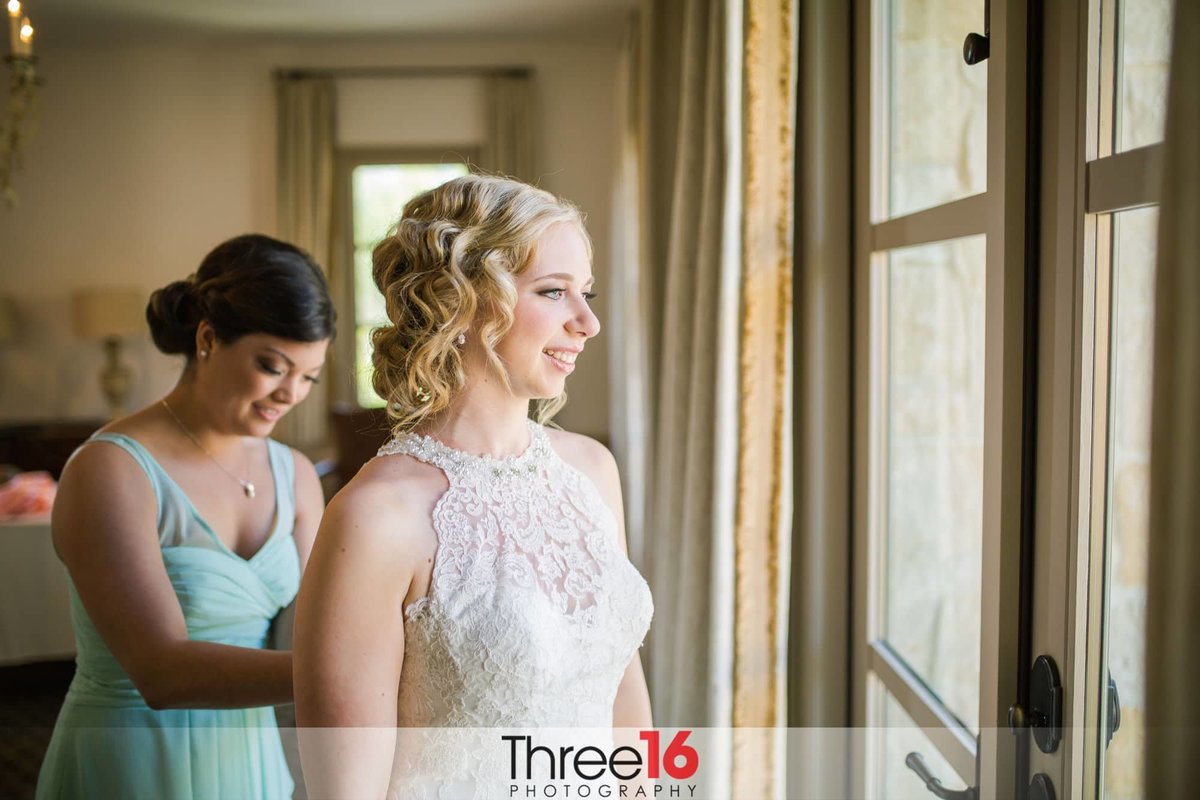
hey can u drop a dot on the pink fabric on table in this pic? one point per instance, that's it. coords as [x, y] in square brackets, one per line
[29, 494]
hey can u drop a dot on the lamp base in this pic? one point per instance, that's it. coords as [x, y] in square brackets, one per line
[115, 379]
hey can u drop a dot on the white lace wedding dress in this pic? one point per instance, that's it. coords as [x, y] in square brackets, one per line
[532, 616]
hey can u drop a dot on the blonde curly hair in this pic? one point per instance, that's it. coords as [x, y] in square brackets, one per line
[448, 267]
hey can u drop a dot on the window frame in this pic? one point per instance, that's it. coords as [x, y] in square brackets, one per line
[1090, 183]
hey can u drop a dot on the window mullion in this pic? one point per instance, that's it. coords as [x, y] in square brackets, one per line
[1125, 180]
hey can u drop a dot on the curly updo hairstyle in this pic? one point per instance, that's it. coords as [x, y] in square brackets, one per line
[249, 284]
[447, 268]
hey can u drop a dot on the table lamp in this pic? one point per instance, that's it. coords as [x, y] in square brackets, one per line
[109, 314]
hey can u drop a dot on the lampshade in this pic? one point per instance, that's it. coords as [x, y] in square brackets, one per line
[108, 312]
[8, 318]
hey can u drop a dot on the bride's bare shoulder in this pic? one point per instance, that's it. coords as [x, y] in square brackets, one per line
[391, 498]
[584, 454]
[593, 459]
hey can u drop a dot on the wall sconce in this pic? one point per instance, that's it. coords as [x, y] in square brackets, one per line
[22, 87]
[108, 315]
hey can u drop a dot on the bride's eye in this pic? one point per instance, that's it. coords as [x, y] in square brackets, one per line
[553, 294]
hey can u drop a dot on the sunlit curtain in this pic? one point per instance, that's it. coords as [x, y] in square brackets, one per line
[627, 311]
[718, 131]
[305, 109]
[1173, 611]
[509, 146]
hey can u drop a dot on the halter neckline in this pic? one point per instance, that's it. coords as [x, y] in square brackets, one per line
[435, 451]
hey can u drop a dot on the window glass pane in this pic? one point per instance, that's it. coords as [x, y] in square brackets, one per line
[936, 104]
[368, 302]
[363, 371]
[896, 735]
[381, 190]
[933, 475]
[1143, 54]
[1128, 494]
[378, 195]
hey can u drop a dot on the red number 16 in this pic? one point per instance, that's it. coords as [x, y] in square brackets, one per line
[677, 750]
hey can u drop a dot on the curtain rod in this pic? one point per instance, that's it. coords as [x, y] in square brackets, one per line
[403, 72]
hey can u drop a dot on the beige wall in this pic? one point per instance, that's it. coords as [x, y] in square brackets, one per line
[146, 155]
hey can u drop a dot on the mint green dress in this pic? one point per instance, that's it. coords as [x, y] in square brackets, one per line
[107, 742]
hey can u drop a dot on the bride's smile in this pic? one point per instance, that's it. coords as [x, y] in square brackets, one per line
[553, 317]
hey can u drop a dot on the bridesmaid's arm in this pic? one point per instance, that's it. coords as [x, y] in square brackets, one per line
[105, 532]
[349, 644]
[310, 505]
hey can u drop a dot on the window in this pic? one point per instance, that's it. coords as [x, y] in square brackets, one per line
[378, 190]
[1002, 465]
[929, 262]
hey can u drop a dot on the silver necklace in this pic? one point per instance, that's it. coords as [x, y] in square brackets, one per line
[247, 486]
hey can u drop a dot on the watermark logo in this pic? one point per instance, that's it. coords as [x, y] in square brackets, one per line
[561, 770]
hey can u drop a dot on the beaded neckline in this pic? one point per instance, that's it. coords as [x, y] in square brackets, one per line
[436, 452]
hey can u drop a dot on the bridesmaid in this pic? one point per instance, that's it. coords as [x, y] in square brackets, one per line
[185, 529]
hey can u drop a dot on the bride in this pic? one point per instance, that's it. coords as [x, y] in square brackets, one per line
[473, 575]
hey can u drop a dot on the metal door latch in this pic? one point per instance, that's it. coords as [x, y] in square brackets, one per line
[1044, 715]
[916, 762]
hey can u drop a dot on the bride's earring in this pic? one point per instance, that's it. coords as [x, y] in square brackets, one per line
[461, 340]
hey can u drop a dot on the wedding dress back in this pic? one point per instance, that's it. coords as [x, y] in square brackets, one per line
[533, 611]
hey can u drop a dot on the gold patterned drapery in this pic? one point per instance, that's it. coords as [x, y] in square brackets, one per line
[764, 384]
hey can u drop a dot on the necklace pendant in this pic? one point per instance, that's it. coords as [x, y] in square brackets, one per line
[248, 488]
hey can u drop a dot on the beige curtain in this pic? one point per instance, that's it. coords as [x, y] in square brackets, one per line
[718, 110]
[305, 109]
[692, 273]
[1173, 612]
[627, 311]
[509, 146]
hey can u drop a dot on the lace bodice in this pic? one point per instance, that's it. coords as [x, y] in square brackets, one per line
[533, 611]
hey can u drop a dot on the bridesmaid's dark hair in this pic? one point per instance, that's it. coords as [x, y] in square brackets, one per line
[249, 284]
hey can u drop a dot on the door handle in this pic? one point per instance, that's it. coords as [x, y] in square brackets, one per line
[916, 762]
[1114, 711]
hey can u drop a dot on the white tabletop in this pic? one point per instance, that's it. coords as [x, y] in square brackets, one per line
[35, 617]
